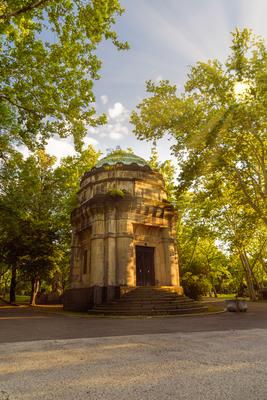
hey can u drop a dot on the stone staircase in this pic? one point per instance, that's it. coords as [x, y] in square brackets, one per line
[147, 300]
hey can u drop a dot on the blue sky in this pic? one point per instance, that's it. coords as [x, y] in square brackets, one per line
[166, 37]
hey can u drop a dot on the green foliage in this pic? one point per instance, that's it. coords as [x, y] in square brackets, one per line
[217, 130]
[49, 63]
[119, 152]
[195, 286]
[154, 158]
[48, 67]
[220, 131]
[27, 231]
[117, 193]
[67, 180]
[66, 185]
[36, 201]
[167, 170]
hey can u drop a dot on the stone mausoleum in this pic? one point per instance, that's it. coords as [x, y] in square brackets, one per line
[123, 233]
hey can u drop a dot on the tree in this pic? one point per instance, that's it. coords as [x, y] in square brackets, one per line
[48, 66]
[219, 124]
[205, 267]
[27, 203]
[67, 180]
[36, 200]
[166, 169]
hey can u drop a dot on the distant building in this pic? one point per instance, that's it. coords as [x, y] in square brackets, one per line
[123, 233]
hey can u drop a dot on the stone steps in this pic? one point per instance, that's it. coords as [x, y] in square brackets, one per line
[149, 301]
[159, 298]
[155, 296]
[151, 304]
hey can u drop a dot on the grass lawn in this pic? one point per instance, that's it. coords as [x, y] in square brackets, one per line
[20, 299]
[231, 296]
[222, 297]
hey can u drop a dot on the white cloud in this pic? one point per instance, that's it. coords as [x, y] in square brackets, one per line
[59, 147]
[117, 110]
[117, 126]
[116, 129]
[116, 135]
[104, 99]
[64, 147]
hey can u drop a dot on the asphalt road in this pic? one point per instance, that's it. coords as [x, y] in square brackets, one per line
[26, 324]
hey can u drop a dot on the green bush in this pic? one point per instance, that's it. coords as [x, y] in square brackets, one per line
[195, 286]
[116, 193]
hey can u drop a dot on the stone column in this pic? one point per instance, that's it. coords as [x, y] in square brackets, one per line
[174, 263]
[131, 267]
[75, 261]
[110, 248]
[165, 242]
[97, 250]
[124, 251]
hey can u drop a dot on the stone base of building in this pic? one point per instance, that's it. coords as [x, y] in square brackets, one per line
[83, 299]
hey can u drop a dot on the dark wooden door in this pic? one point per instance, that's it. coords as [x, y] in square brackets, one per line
[145, 271]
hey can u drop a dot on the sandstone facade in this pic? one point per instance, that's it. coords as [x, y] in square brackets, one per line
[123, 233]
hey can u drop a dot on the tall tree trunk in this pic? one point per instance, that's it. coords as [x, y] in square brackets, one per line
[13, 283]
[249, 275]
[35, 290]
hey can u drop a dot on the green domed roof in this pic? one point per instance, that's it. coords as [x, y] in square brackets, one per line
[121, 157]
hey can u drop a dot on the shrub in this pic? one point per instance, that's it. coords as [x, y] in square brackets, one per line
[116, 193]
[195, 285]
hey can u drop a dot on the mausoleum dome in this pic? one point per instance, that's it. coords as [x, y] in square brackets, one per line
[121, 157]
[122, 171]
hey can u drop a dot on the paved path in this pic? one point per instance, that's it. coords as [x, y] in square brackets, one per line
[48, 356]
[178, 366]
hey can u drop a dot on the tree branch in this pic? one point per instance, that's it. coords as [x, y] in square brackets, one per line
[4, 97]
[24, 9]
[255, 207]
[259, 254]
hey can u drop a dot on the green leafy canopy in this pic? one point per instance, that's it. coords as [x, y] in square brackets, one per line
[219, 122]
[219, 126]
[48, 65]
